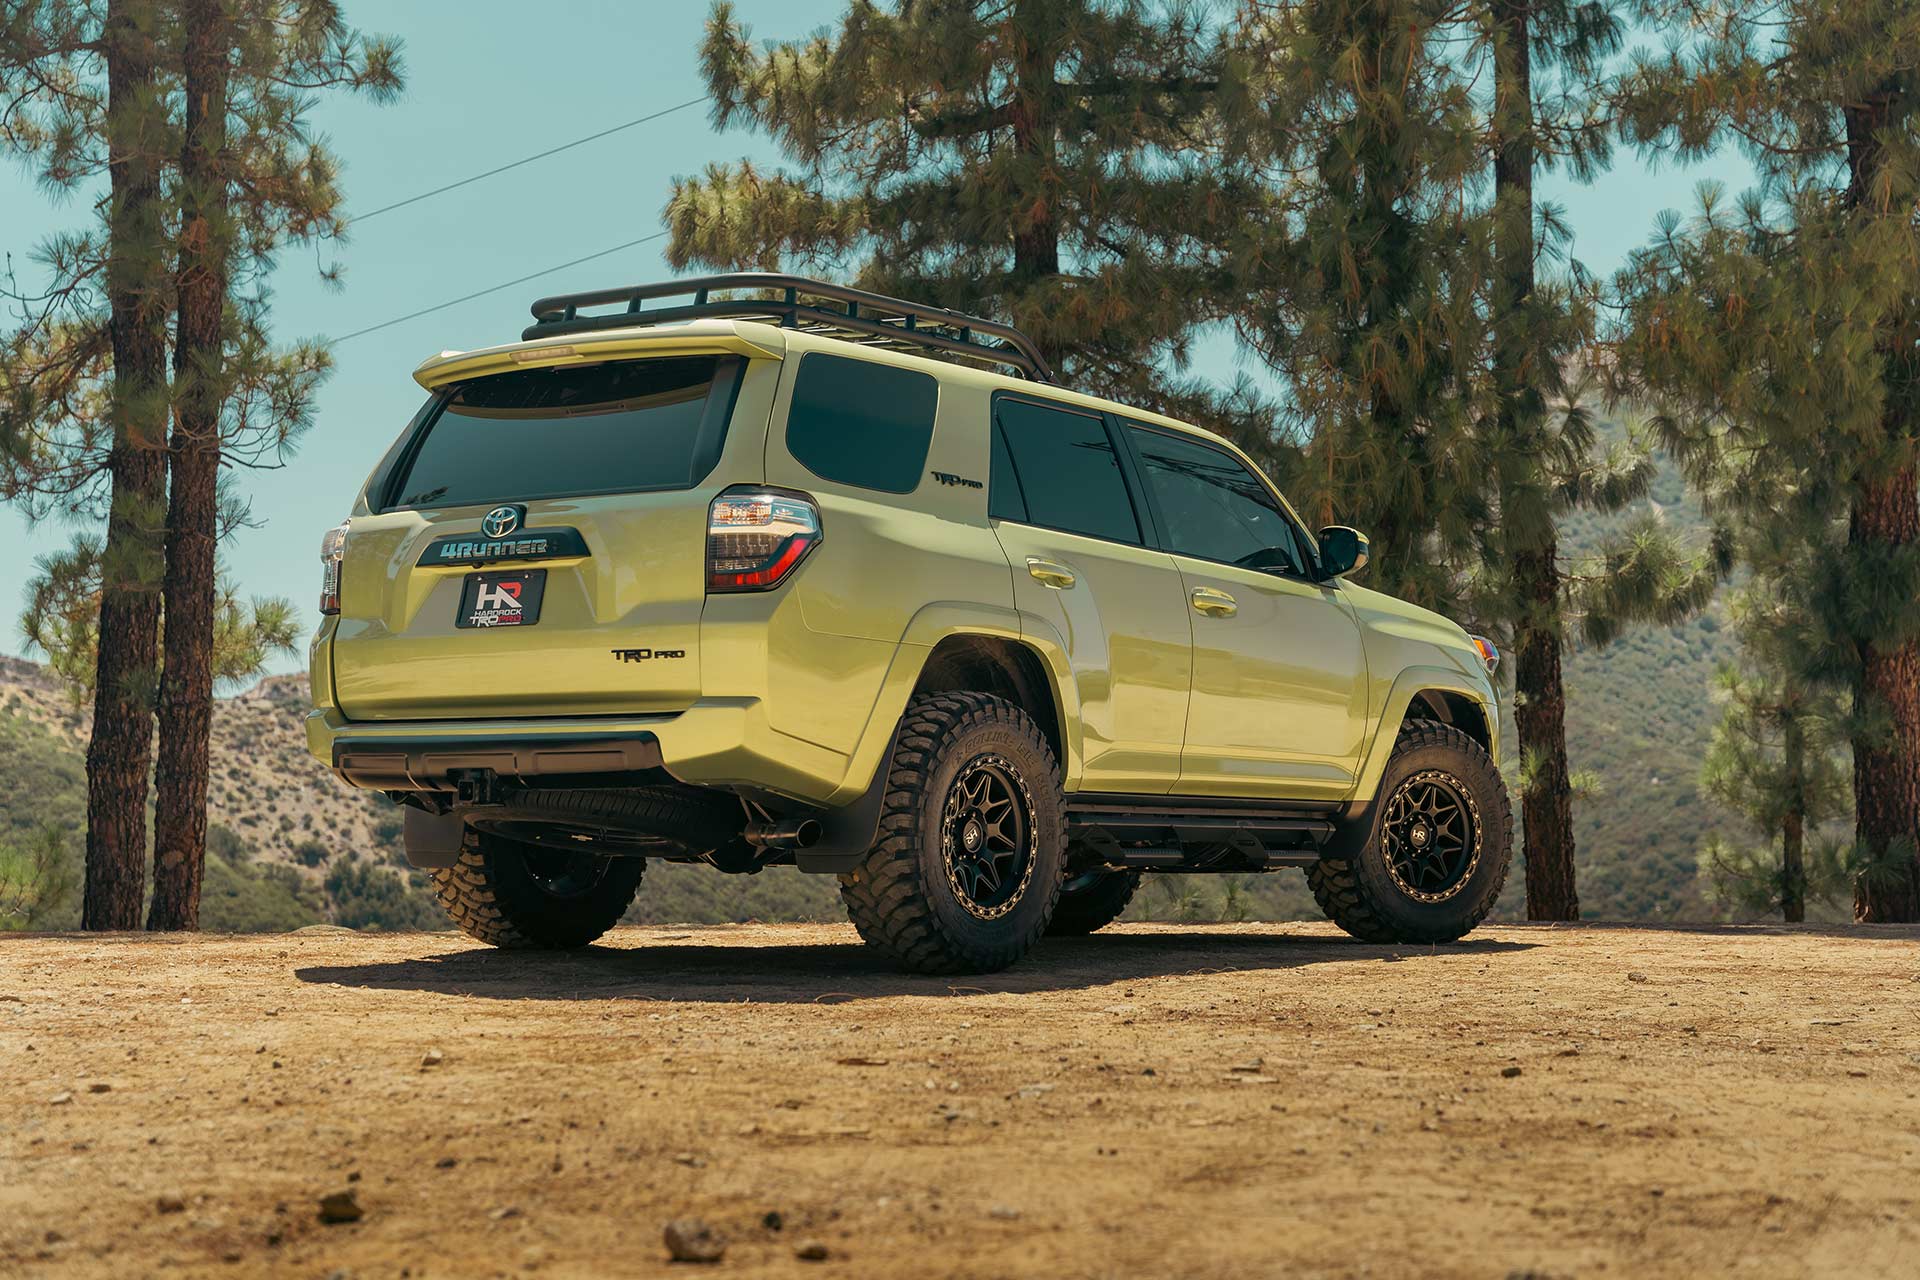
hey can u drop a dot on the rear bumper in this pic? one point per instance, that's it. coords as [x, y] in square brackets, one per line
[430, 762]
[717, 743]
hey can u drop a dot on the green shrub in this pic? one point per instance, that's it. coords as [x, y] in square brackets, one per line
[366, 896]
[223, 843]
[39, 883]
[236, 898]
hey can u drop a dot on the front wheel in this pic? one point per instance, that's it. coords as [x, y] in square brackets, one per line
[1437, 850]
[972, 839]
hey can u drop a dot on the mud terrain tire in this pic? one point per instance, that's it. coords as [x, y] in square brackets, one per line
[972, 839]
[522, 896]
[1374, 895]
[1093, 905]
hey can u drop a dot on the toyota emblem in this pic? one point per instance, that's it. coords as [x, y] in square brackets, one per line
[500, 522]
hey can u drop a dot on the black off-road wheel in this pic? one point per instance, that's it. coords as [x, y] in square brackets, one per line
[972, 839]
[1437, 850]
[1092, 901]
[536, 894]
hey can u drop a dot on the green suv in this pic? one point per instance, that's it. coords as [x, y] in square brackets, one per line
[753, 570]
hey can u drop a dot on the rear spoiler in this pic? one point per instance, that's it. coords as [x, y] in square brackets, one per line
[700, 338]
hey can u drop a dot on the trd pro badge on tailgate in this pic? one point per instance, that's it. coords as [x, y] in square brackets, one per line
[510, 598]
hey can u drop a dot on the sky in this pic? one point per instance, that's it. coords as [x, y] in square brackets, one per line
[487, 84]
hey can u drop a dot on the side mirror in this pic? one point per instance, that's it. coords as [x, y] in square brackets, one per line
[1342, 550]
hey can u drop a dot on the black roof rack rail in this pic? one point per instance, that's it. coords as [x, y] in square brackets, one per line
[872, 318]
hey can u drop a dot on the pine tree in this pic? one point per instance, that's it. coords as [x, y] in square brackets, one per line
[1779, 336]
[1361, 279]
[119, 754]
[62, 621]
[1546, 58]
[1772, 762]
[1777, 757]
[250, 177]
[1038, 161]
[200, 282]
[192, 223]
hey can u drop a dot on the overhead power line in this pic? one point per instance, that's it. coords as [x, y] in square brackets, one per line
[442, 306]
[542, 155]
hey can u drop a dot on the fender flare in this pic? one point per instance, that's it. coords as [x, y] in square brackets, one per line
[943, 620]
[1393, 713]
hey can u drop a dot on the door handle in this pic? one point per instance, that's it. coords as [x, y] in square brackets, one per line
[1215, 604]
[1049, 574]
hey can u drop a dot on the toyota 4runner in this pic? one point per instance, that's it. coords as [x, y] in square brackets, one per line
[787, 573]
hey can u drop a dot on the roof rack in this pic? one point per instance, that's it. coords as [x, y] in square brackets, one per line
[799, 303]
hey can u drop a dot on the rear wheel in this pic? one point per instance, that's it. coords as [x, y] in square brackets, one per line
[971, 847]
[1092, 901]
[1436, 856]
[518, 885]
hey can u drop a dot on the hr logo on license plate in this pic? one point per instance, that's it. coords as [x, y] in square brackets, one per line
[506, 599]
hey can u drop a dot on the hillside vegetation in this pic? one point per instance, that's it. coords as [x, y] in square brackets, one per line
[292, 846]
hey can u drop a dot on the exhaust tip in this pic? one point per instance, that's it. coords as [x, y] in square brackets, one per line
[793, 833]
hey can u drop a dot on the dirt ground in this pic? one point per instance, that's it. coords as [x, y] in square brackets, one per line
[1155, 1101]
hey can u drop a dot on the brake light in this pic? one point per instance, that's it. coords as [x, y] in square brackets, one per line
[333, 549]
[757, 537]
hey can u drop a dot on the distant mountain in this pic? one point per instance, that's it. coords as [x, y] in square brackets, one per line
[262, 784]
[1639, 717]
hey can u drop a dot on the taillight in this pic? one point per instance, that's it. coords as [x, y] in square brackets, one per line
[333, 549]
[756, 537]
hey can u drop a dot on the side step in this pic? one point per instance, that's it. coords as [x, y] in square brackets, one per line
[1198, 834]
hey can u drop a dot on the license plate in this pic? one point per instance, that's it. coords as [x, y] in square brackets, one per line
[510, 598]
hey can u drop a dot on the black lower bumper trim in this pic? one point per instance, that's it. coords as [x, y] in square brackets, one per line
[429, 763]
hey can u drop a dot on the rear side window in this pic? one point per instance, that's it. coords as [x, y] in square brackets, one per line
[1213, 507]
[622, 427]
[861, 423]
[1067, 471]
[1004, 499]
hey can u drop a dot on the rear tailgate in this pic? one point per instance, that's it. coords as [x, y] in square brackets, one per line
[540, 546]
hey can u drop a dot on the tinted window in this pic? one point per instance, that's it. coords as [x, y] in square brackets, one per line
[553, 433]
[1004, 499]
[1067, 469]
[862, 423]
[1212, 507]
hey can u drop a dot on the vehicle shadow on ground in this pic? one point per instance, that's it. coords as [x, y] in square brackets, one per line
[832, 973]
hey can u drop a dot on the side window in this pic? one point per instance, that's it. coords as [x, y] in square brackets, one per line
[1213, 507]
[862, 423]
[1068, 472]
[1004, 499]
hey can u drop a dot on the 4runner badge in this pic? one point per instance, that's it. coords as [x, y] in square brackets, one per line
[521, 544]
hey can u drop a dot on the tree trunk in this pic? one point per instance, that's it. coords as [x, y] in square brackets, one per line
[1793, 869]
[1540, 703]
[1036, 230]
[119, 754]
[1886, 764]
[1793, 826]
[1885, 518]
[1540, 715]
[186, 682]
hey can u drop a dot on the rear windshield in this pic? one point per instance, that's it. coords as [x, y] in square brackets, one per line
[621, 427]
